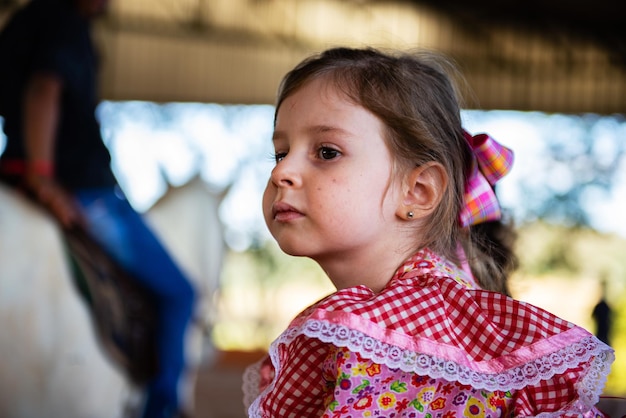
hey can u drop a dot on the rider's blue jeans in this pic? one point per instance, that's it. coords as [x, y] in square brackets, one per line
[125, 235]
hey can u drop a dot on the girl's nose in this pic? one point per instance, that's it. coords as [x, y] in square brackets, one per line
[286, 173]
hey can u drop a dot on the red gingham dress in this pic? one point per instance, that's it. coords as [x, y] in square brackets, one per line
[430, 344]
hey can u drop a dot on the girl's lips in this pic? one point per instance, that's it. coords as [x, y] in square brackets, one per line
[284, 212]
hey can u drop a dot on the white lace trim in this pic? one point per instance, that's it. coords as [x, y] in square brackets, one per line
[589, 388]
[251, 380]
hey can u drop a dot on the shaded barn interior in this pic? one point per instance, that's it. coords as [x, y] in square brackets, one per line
[557, 56]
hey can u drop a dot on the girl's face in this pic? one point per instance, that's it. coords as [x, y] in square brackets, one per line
[330, 196]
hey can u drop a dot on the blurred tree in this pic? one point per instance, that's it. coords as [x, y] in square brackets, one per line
[581, 163]
[579, 168]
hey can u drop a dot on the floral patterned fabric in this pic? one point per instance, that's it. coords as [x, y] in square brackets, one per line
[361, 388]
[428, 345]
[358, 387]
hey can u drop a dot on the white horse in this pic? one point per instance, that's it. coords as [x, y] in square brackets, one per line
[187, 220]
[52, 364]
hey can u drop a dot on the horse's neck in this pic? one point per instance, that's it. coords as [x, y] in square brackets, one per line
[187, 220]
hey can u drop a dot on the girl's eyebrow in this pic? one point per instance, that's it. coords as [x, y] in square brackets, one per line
[316, 129]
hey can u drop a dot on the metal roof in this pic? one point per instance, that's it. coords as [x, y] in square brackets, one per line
[550, 55]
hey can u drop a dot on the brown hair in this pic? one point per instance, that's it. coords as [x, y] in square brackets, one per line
[415, 98]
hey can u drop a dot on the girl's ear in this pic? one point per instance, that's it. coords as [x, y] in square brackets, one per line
[423, 190]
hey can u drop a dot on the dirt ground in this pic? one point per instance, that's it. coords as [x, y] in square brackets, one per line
[218, 387]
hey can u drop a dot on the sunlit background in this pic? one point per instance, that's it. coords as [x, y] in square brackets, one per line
[566, 193]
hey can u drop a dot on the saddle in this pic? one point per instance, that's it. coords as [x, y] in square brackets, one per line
[123, 311]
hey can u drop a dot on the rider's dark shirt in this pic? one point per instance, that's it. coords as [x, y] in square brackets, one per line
[48, 36]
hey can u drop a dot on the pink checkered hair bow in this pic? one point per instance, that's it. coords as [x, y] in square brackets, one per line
[492, 161]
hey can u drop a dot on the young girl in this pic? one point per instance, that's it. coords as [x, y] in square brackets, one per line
[376, 180]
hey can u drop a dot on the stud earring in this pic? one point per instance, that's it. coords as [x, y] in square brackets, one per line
[409, 215]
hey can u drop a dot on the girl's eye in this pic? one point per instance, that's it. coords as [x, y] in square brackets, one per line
[326, 153]
[279, 156]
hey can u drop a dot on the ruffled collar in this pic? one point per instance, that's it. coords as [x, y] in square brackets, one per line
[432, 320]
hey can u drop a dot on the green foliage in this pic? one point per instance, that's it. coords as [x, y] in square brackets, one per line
[545, 248]
[581, 161]
[262, 290]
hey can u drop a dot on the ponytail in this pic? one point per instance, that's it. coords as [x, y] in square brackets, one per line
[490, 254]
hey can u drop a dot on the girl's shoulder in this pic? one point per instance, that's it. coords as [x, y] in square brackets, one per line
[431, 320]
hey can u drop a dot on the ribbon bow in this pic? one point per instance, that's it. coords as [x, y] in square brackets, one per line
[491, 162]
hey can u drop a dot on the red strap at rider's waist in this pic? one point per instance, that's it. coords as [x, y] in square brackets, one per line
[19, 167]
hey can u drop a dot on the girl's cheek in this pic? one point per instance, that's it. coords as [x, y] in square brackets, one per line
[267, 200]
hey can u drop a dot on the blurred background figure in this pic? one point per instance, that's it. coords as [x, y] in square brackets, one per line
[603, 316]
[54, 152]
